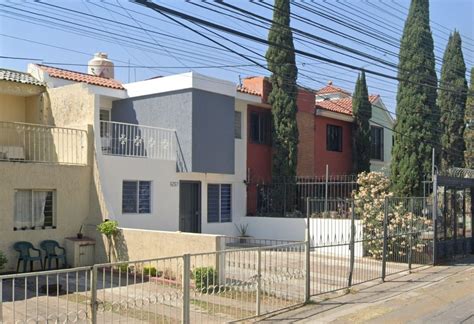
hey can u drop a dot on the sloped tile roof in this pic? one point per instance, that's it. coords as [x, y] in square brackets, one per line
[248, 91]
[20, 77]
[81, 77]
[331, 89]
[343, 106]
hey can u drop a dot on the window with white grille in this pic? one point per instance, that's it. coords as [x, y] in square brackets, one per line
[219, 203]
[34, 209]
[136, 197]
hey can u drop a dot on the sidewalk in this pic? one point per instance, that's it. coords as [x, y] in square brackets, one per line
[442, 294]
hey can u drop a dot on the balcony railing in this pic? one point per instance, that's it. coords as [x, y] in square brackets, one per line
[132, 140]
[42, 144]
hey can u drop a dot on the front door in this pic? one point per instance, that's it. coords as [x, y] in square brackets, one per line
[190, 206]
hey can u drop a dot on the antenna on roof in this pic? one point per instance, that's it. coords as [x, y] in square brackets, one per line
[240, 81]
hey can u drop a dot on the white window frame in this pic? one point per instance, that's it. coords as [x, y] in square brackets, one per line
[137, 209]
[53, 209]
[219, 221]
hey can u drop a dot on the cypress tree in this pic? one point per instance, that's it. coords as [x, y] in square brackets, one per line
[417, 113]
[469, 125]
[281, 62]
[362, 110]
[452, 103]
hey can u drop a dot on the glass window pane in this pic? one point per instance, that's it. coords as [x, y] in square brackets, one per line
[49, 209]
[226, 203]
[238, 124]
[212, 203]
[129, 197]
[23, 216]
[144, 196]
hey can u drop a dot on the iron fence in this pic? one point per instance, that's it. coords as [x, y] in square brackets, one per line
[138, 141]
[288, 198]
[43, 144]
[220, 286]
[350, 244]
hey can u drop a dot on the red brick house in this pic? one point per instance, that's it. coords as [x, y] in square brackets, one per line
[324, 121]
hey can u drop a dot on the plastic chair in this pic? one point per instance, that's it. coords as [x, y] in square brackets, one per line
[25, 248]
[50, 248]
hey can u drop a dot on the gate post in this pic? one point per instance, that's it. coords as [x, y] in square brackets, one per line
[259, 282]
[352, 244]
[410, 233]
[94, 295]
[435, 217]
[307, 286]
[384, 251]
[185, 318]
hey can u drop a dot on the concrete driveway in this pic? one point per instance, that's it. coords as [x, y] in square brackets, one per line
[442, 294]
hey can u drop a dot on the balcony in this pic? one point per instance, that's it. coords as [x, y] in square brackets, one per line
[21, 142]
[130, 140]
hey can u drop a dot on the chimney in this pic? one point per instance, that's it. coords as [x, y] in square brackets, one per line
[101, 66]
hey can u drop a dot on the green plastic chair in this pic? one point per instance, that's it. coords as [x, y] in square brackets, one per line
[51, 247]
[25, 249]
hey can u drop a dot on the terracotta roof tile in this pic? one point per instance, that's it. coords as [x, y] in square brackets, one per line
[20, 77]
[342, 106]
[331, 89]
[248, 91]
[81, 77]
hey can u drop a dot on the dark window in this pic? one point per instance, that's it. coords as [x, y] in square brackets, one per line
[136, 197]
[334, 138]
[219, 203]
[260, 128]
[376, 143]
[238, 124]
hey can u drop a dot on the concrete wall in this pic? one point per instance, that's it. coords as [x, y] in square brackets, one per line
[213, 133]
[204, 123]
[381, 117]
[137, 244]
[71, 184]
[323, 231]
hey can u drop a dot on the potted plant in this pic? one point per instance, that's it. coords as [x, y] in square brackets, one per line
[108, 228]
[242, 229]
[80, 235]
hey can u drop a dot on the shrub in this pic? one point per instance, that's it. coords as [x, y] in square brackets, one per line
[205, 279]
[3, 260]
[152, 272]
[108, 227]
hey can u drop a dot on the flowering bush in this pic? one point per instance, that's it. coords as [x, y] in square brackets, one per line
[403, 227]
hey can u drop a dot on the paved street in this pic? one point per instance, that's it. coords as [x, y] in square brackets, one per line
[443, 294]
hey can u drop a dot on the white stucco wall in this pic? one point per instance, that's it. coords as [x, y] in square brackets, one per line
[381, 118]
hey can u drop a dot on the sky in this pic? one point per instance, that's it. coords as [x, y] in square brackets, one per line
[144, 44]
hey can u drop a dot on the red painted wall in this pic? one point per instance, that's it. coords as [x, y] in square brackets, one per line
[259, 163]
[339, 162]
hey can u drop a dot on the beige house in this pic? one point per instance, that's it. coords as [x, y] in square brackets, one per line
[47, 187]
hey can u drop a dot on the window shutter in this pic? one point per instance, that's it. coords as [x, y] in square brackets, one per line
[212, 203]
[226, 203]
[129, 197]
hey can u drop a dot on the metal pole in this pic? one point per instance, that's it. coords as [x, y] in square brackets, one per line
[326, 190]
[185, 318]
[259, 281]
[94, 295]
[384, 252]
[308, 253]
[352, 244]
[1, 301]
[410, 233]
[432, 163]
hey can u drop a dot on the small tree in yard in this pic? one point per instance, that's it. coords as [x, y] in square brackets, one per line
[469, 123]
[402, 226]
[362, 110]
[110, 229]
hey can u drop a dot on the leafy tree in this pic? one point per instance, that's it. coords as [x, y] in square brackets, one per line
[362, 110]
[417, 113]
[281, 62]
[469, 123]
[452, 103]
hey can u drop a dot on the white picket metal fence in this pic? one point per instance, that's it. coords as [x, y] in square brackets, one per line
[42, 144]
[132, 140]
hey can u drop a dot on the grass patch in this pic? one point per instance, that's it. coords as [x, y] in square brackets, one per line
[213, 309]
